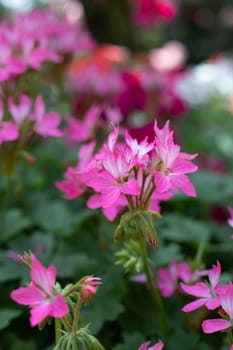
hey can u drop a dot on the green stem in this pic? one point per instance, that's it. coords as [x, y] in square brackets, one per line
[164, 327]
[6, 202]
[229, 336]
[76, 314]
[66, 324]
[57, 330]
[130, 202]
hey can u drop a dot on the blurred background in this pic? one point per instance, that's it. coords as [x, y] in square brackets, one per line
[205, 27]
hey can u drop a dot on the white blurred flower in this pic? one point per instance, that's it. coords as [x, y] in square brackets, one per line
[205, 80]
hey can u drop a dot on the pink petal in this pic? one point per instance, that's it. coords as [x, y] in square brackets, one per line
[39, 313]
[109, 196]
[215, 325]
[131, 187]
[184, 184]
[194, 305]
[199, 289]
[182, 166]
[162, 182]
[59, 307]
[45, 278]
[214, 275]
[47, 126]
[144, 346]
[30, 295]
[8, 132]
[213, 303]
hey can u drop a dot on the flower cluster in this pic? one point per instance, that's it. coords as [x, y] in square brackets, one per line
[213, 296]
[20, 120]
[105, 76]
[169, 279]
[131, 173]
[34, 38]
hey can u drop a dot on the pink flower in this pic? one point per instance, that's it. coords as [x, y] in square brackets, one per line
[40, 294]
[150, 12]
[219, 324]
[9, 65]
[168, 278]
[21, 110]
[208, 294]
[46, 124]
[175, 164]
[82, 130]
[89, 287]
[73, 185]
[139, 150]
[157, 346]
[113, 180]
[8, 130]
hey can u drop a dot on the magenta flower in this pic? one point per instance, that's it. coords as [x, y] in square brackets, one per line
[220, 324]
[82, 130]
[208, 294]
[175, 164]
[8, 130]
[46, 124]
[73, 185]
[150, 12]
[40, 294]
[21, 110]
[9, 65]
[157, 346]
[113, 180]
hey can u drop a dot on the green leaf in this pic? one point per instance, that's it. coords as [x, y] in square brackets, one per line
[15, 223]
[180, 228]
[23, 345]
[212, 187]
[6, 316]
[54, 217]
[188, 341]
[131, 341]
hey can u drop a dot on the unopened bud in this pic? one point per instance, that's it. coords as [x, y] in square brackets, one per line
[89, 287]
[30, 159]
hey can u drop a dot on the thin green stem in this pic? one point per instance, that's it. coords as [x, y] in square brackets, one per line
[164, 327]
[229, 336]
[6, 202]
[66, 324]
[58, 329]
[130, 202]
[77, 314]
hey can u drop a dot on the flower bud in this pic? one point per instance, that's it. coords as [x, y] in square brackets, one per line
[129, 256]
[138, 225]
[89, 287]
